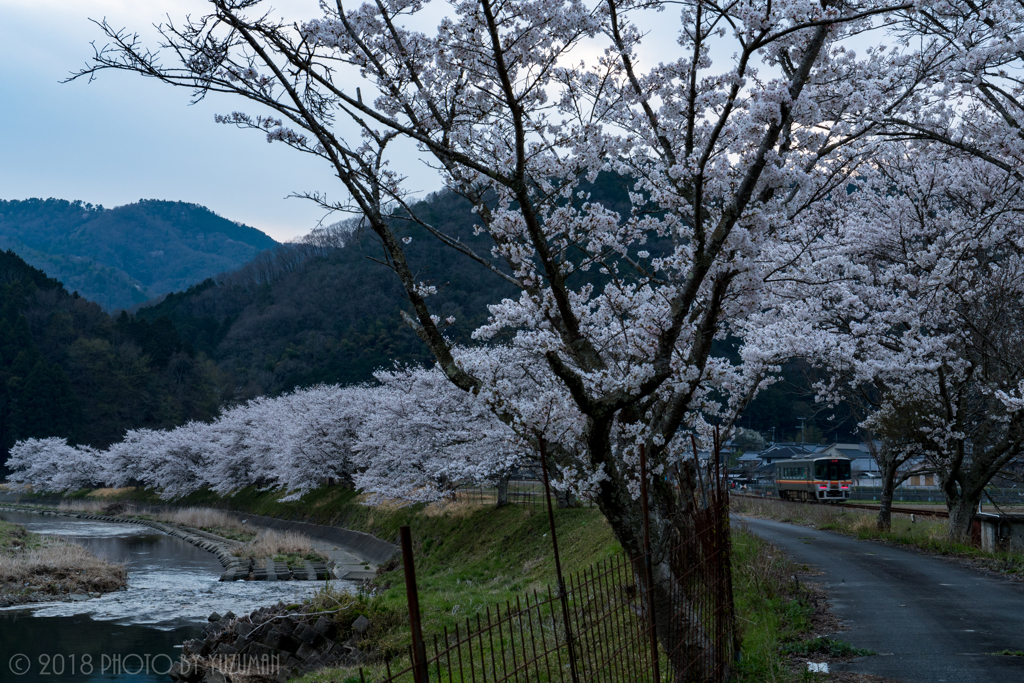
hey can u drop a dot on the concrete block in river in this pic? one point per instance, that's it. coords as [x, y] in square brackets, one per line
[325, 627]
[306, 634]
[305, 652]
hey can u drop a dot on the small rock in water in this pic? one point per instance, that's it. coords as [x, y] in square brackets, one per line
[213, 617]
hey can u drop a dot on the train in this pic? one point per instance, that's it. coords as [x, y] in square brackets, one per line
[825, 479]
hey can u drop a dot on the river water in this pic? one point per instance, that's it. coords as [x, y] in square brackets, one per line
[132, 635]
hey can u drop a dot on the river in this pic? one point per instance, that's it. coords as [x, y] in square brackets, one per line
[131, 635]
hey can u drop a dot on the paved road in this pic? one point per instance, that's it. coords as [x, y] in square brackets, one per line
[929, 619]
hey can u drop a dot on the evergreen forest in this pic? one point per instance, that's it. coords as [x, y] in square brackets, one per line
[69, 369]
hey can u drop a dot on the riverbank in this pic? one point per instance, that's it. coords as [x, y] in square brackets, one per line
[35, 568]
[245, 552]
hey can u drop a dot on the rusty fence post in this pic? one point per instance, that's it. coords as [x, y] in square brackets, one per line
[558, 564]
[419, 649]
[647, 564]
[725, 522]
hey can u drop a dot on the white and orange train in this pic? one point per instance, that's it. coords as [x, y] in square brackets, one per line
[825, 479]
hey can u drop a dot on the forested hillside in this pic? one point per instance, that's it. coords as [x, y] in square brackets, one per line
[325, 311]
[321, 311]
[124, 256]
[69, 369]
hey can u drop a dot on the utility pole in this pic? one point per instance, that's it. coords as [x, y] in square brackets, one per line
[802, 432]
[772, 430]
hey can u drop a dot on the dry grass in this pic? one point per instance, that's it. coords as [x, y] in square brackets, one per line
[459, 508]
[925, 533]
[109, 493]
[271, 543]
[31, 564]
[203, 518]
[816, 515]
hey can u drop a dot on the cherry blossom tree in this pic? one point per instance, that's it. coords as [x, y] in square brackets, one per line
[424, 437]
[975, 99]
[516, 104]
[319, 428]
[914, 293]
[52, 465]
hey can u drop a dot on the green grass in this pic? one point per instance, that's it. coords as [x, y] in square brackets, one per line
[15, 536]
[773, 610]
[296, 560]
[825, 646]
[1010, 653]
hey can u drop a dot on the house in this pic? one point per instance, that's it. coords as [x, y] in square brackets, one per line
[776, 452]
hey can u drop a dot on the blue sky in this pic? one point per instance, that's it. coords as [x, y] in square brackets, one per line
[123, 138]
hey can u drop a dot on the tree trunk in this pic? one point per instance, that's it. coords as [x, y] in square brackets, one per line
[961, 516]
[564, 499]
[684, 570]
[503, 490]
[884, 520]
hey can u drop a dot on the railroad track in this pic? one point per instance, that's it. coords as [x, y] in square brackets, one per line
[901, 510]
[941, 514]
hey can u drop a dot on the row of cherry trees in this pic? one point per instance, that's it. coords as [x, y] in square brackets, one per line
[413, 437]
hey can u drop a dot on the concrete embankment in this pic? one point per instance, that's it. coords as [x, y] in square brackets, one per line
[353, 554]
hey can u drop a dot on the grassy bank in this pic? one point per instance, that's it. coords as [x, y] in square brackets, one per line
[924, 533]
[34, 567]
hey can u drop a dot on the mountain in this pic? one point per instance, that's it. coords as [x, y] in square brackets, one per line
[69, 369]
[125, 256]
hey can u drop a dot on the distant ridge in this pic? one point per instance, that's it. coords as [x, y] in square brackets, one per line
[124, 256]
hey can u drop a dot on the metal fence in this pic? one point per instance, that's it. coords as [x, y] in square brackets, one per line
[526, 492]
[596, 624]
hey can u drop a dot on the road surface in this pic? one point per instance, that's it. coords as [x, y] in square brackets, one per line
[931, 620]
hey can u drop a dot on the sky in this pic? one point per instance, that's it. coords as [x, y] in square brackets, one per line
[123, 137]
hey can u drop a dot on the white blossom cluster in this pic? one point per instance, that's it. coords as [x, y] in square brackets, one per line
[414, 437]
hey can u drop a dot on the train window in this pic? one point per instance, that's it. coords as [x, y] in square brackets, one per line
[832, 469]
